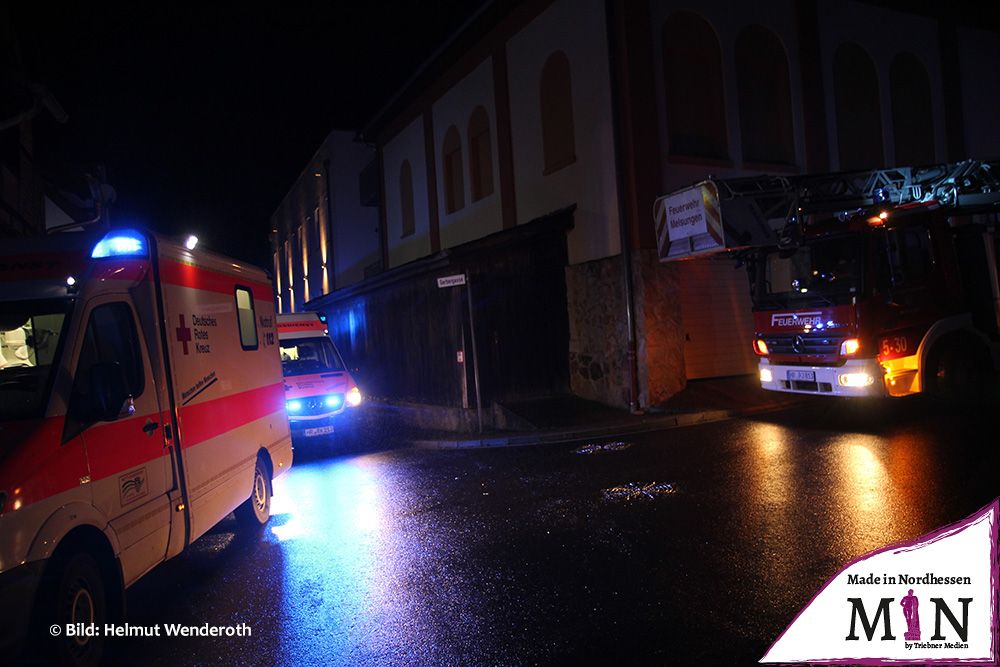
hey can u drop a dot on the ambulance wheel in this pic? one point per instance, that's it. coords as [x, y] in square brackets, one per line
[256, 510]
[77, 596]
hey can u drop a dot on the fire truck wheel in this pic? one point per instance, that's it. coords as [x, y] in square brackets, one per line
[78, 599]
[956, 373]
[256, 510]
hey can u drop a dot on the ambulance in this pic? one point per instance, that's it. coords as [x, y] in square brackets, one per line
[141, 402]
[318, 387]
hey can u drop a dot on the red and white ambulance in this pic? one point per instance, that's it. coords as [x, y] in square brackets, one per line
[141, 402]
[318, 387]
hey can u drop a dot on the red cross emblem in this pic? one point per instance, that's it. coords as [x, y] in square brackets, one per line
[183, 335]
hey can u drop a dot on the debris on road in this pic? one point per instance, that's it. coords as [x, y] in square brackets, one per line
[597, 447]
[633, 491]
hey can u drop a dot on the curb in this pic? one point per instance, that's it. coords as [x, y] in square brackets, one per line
[648, 425]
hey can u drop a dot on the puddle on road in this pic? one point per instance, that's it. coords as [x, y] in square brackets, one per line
[599, 447]
[633, 491]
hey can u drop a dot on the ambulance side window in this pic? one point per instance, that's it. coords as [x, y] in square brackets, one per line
[110, 337]
[247, 318]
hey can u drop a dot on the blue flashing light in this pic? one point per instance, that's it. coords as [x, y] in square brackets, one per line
[121, 243]
[334, 401]
[294, 405]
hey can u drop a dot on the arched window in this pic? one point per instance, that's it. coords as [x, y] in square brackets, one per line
[912, 122]
[406, 198]
[556, 97]
[480, 155]
[859, 114]
[454, 185]
[765, 97]
[692, 77]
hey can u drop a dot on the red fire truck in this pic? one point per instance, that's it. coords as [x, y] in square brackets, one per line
[875, 283]
[141, 402]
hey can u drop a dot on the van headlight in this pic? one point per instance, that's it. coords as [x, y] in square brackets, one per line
[354, 397]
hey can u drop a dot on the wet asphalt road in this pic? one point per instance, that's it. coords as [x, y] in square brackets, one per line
[514, 556]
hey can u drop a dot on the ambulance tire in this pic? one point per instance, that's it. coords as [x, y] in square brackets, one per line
[256, 510]
[75, 592]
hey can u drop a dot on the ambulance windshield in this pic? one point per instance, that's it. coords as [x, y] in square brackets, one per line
[309, 355]
[31, 334]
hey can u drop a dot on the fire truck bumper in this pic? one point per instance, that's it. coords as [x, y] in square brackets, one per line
[17, 595]
[857, 377]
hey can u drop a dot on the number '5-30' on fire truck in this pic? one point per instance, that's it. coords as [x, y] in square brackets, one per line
[320, 392]
[141, 402]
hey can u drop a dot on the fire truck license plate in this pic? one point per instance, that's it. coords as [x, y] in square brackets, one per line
[320, 430]
[803, 376]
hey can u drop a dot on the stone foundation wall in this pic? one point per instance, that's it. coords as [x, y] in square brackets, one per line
[598, 340]
[598, 364]
[659, 330]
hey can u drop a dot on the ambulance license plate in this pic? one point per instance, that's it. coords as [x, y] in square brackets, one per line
[320, 430]
[802, 376]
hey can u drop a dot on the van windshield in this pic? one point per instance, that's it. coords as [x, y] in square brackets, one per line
[31, 337]
[309, 355]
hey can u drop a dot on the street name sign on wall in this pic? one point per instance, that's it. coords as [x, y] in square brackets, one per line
[688, 222]
[451, 281]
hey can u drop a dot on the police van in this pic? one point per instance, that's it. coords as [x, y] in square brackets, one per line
[141, 402]
[318, 387]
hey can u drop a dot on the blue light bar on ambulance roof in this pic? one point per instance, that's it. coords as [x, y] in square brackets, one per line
[121, 243]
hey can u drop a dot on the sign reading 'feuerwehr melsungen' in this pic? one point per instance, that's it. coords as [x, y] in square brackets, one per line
[932, 600]
[686, 214]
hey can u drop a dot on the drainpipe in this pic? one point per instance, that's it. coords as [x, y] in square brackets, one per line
[633, 361]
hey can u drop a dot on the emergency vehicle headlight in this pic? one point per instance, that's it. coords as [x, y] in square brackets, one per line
[850, 346]
[354, 397]
[855, 380]
[765, 375]
[120, 243]
[333, 401]
[294, 405]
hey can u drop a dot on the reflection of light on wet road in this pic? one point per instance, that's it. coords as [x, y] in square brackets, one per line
[864, 492]
[326, 517]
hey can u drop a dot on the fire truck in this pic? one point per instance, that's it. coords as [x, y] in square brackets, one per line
[871, 283]
[141, 402]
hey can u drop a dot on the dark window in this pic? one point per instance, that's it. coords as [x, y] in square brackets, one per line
[480, 155]
[110, 338]
[912, 122]
[765, 97]
[454, 185]
[406, 198]
[692, 72]
[859, 115]
[556, 98]
[247, 318]
[909, 257]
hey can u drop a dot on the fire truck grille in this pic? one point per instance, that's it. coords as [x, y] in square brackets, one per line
[804, 343]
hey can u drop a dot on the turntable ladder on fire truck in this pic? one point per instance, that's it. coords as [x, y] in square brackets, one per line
[753, 203]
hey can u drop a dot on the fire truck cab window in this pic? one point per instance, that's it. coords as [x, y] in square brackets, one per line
[247, 318]
[908, 258]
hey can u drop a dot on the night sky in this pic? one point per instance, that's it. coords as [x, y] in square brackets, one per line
[204, 117]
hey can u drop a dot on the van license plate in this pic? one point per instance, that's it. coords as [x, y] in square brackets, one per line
[320, 430]
[802, 376]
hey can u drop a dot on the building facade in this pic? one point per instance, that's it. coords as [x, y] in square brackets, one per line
[558, 122]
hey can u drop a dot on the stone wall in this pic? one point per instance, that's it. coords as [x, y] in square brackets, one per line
[598, 344]
[659, 330]
[598, 364]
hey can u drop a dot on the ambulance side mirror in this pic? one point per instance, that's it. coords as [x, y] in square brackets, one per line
[108, 391]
